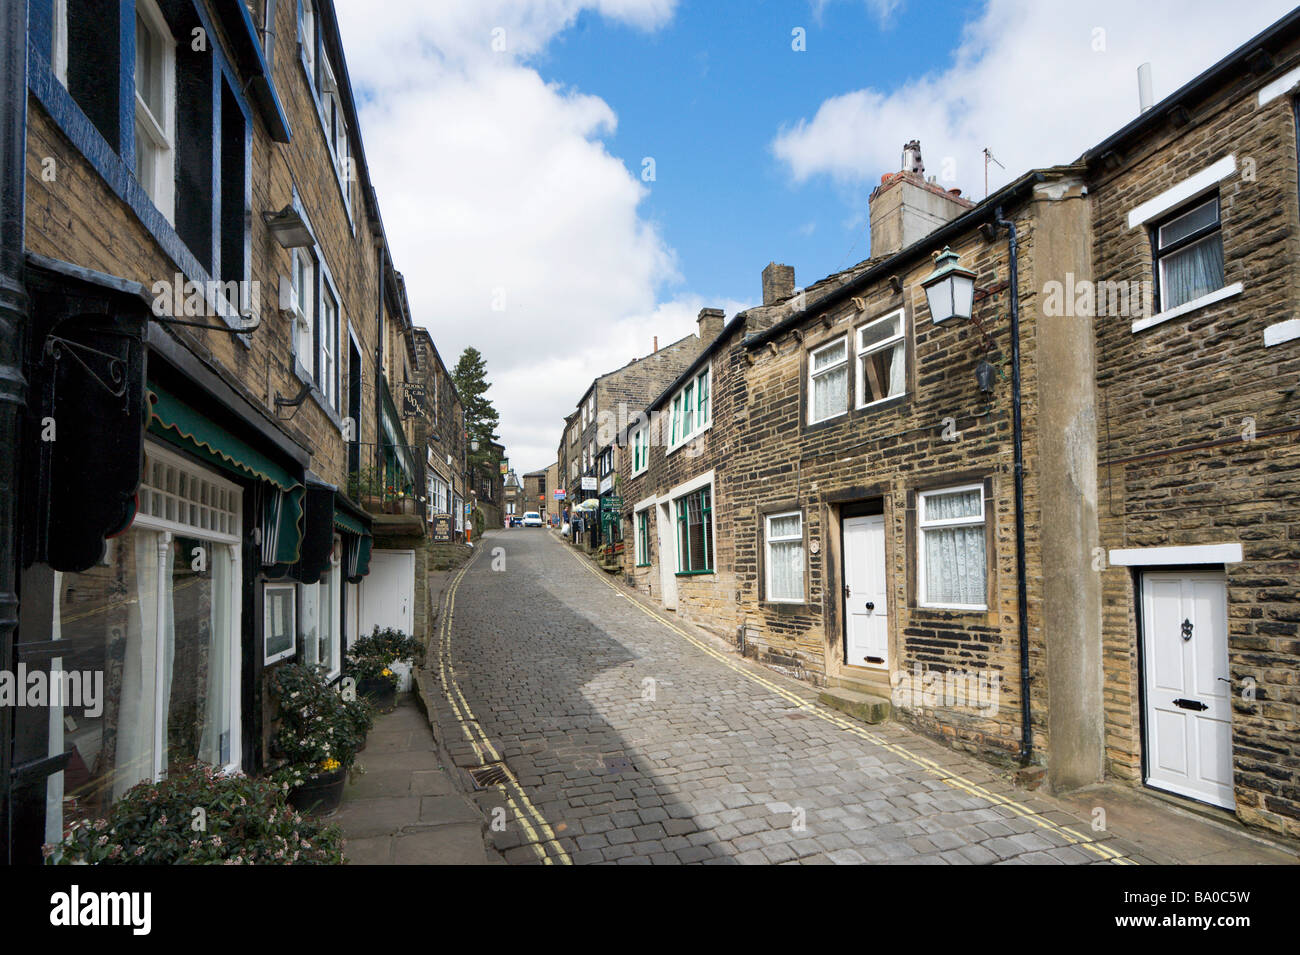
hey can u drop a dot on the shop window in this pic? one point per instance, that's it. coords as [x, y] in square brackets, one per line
[279, 618]
[951, 561]
[319, 620]
[159, 619]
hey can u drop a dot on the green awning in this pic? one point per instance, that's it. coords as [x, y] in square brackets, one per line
[346, 522]
[175, 421]
[282, 520]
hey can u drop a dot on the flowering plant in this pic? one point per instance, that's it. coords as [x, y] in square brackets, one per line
[372, 657]
[197, 816]
[319, 731]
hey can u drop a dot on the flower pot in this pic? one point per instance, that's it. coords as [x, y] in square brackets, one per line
[320, 795]
[380, 691]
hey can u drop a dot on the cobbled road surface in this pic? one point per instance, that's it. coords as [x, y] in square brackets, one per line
[630, 738]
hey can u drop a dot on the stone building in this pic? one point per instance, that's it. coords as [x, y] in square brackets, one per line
[1080, 557]
[203, 307]
[536, 493]
[440, 430]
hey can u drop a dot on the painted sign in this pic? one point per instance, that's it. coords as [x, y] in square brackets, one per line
[442, 527]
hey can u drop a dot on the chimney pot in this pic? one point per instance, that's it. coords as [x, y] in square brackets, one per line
[778, 283]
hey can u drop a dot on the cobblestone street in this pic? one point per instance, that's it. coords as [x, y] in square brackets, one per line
[629, 739]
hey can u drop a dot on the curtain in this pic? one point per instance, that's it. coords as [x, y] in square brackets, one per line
[168, 635]
[954, 565]
[896, 371]
[214, 744]
[135, 721]
[882, 373]
[831, 393]
[1192, 272]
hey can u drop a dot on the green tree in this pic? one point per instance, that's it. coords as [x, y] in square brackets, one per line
[481, 418]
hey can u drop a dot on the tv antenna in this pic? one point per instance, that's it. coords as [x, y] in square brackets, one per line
[988, 158]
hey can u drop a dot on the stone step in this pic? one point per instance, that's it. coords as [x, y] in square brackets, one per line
[871, 682]
[866, 707]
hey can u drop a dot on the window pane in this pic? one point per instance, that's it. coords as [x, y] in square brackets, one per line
[953, 504]
[882, 373]
[1192, 272]
[954, 565]
[828, 356]
[785, 526]
[830, 393]
[1185, 225]
[785, 561]
[878, 332]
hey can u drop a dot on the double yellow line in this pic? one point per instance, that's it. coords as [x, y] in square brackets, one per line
[541, 837]
[850, 726]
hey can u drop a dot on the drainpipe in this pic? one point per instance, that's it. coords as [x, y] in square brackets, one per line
[13, 337]
[1022, 598]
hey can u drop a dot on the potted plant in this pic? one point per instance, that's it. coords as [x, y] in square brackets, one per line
[370, 662]
[317, 739]
[365, 487]
[198, 816]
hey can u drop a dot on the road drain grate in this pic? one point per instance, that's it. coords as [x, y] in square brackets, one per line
[618, 764]
[488, 776]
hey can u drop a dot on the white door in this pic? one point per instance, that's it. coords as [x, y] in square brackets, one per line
[866, 605]
[667, 556]
[388, 591]
[1186, 684]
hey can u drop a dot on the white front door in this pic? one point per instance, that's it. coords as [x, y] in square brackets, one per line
[388, 591]
[866, 605]
[667, 556]
[1186, 684]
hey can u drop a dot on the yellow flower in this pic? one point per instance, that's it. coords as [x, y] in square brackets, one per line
[330, 765]
[387, 672]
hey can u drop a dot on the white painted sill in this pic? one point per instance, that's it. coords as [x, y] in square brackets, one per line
[1218, 295]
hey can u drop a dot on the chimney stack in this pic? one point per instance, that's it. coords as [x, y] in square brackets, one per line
[906, 207]
[710, 323]
[778, 283]
[656, 343]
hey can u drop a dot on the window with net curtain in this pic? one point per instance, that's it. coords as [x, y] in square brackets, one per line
[828, 370]
[953, 569]
[881, 353]
[785, 557]
[1189, 254]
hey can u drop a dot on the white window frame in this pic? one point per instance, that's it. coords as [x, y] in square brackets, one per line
[677, 434]
[305, 304]
[308, 27]
[327, 339]
[768, 541]
[813, 375]
[160, 132]
[169, 528]
[864, 352]
[59, 41]
[291, 589]
[922, 525]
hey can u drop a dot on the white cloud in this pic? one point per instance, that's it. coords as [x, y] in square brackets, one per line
[1027, 82]
[497, 190]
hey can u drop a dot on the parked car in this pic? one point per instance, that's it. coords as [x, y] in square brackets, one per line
[515, 520]
[532, 519]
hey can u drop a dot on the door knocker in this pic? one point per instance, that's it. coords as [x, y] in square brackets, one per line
[1187, 630]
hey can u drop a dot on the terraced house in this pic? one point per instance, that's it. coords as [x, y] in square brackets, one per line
[202, 325]
[1028, 475]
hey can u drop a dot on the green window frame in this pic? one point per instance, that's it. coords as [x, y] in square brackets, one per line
[702, 391]
[694, 532]
[643, 538]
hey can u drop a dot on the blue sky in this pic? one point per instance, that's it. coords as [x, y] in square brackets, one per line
[506, 139]
[704, 96]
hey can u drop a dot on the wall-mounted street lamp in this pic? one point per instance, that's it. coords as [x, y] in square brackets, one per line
[985, 375]
[949, 289]
[289, 228]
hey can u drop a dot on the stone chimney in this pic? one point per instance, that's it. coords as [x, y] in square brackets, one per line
[778, 283]
[906, 207]
[710, 322]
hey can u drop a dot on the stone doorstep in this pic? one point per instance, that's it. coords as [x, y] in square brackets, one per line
[860, 706]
